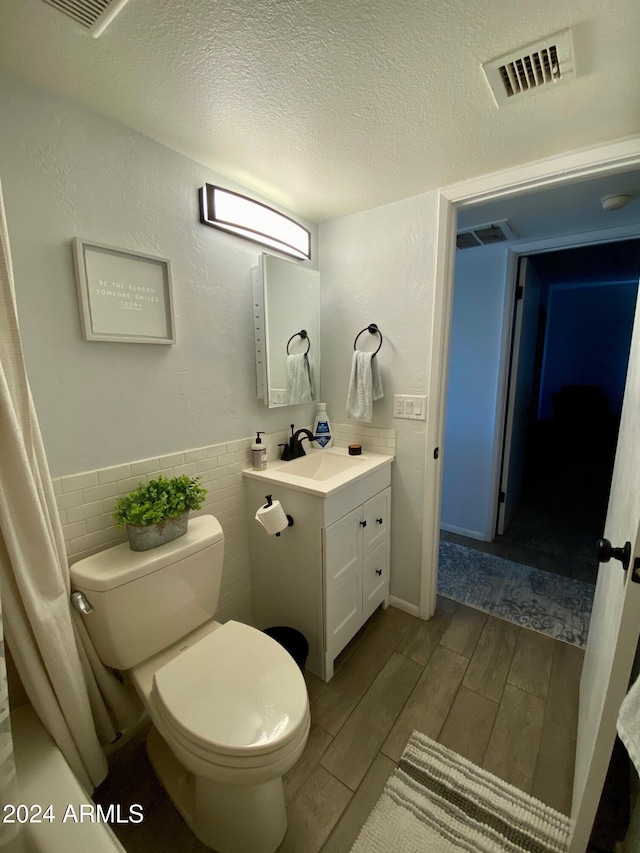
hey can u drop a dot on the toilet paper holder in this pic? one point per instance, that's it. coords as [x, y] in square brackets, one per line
[269, 502]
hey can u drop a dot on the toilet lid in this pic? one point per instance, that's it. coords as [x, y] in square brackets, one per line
[234, 691]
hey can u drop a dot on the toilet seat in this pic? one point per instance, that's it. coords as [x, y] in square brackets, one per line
[234, 698]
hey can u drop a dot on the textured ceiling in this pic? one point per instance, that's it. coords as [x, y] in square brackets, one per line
[333, 106]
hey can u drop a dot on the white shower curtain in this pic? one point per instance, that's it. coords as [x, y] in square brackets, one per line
[10, 836]
[78, 700]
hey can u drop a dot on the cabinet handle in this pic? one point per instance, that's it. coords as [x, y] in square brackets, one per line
[378, 571]
[379, 520]
[363, 524]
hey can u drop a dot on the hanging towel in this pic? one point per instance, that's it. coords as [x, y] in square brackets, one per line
[299, 381]
[365, 386]
[629, 723]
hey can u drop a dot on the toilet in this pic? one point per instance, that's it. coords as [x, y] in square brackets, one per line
[228, 704]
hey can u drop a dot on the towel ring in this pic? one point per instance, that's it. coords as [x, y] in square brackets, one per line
[373, 330]
[305, 337]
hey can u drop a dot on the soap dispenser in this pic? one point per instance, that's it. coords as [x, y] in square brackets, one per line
[258, 453]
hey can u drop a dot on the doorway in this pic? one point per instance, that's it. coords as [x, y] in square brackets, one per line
[526, 552]
[597, 707]
[558, 450]
[553, 178]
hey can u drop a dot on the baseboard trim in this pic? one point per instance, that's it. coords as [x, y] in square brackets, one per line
[462, 531]
[411, 609]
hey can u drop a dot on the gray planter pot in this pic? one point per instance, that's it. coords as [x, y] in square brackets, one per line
[144, 537]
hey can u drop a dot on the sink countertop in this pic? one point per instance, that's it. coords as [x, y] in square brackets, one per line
[359, 466]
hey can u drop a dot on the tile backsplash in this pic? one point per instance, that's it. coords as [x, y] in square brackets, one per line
[374, 440]
[86, 500]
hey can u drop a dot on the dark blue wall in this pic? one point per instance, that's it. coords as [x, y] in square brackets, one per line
[588, 337]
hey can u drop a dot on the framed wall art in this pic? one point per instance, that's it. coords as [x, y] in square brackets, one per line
[123, 296]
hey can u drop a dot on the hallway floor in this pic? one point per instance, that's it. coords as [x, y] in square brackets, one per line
[560, 518]
[528, 597]
[503, 696]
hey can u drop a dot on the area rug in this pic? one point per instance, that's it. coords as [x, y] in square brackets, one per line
[551, 604]
[439, 802]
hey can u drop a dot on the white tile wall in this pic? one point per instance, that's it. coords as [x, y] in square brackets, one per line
[374, 440]
[86, 500]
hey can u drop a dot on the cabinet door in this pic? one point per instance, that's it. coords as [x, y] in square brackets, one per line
[343, 580]
[375, 576]
[378, 522]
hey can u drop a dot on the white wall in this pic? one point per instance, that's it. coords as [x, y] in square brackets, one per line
[111, 413]
[473, 416]
[69, 172]
[377, 267]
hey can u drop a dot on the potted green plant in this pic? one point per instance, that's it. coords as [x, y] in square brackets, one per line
[158, 512]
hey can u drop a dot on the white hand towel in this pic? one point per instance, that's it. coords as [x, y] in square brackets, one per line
[365, 386]
[629, 723]
[299, 383]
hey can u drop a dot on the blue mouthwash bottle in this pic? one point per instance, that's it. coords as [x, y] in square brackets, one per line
[322, 427]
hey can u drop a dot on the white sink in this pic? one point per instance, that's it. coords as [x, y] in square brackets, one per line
[321, 472]
[322, 464]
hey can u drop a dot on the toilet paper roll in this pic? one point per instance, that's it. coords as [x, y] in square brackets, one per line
[273, 518]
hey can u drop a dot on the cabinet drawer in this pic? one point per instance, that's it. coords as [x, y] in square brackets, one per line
[376, 521]
[375, 576]
[342, 502]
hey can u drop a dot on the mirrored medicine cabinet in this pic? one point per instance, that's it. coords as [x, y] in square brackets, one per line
[286, 322]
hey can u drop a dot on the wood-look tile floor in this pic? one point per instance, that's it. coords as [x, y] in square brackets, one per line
[503, 696]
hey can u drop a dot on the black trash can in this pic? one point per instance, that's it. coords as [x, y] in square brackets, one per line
[293, 641]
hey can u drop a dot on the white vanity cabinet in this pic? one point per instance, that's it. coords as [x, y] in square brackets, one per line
[356, 570]
[328, 573]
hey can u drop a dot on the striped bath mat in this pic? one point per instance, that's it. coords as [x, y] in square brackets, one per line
[439, 802]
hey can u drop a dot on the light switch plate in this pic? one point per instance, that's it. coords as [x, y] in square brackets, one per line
[410, 407]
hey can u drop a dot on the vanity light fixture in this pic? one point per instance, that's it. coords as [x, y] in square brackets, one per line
[253, 220]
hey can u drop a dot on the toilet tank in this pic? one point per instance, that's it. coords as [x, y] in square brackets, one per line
[143, 601]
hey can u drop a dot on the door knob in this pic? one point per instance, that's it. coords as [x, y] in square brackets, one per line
[605, 551]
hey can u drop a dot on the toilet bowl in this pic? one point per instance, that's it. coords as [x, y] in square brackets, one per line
[237, 750]
[228, 704]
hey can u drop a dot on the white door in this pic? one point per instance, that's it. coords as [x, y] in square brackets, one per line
[519, 402]
[343, 583]
[615, 620]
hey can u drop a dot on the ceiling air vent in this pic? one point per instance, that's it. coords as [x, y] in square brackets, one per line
[95, 15]
[485, 235]
[530, 68]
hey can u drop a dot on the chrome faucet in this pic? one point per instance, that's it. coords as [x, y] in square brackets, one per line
[294, 449]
